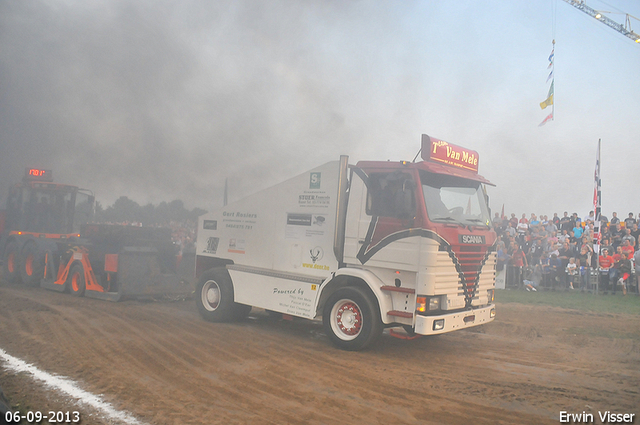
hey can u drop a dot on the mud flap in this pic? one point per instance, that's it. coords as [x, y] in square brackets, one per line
[142, 274]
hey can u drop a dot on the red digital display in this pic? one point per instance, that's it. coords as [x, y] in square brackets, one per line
[38, 174]
[437, 150]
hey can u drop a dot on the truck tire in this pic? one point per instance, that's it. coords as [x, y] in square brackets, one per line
[351, 319]
[75, 280]
[32, 270]
[12, 262]
[214, 297]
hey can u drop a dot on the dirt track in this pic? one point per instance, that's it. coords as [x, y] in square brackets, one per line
[165, 365]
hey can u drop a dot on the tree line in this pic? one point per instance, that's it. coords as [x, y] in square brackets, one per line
[125, 210]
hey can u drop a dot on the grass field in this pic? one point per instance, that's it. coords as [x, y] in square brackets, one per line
[629, 304]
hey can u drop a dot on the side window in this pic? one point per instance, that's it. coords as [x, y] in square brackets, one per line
[14, 202]
[391, 195]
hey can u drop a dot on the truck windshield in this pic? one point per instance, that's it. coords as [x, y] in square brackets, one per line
[83, 210]
[454, 200]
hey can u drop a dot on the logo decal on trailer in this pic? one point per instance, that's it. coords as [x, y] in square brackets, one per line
[212, 245]
[314, 180]
[316, 254]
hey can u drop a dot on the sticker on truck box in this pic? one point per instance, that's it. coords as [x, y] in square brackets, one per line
[237, 246]
[210, 225]
[316, 254]
[212, 245]
[305, 225]
[314, 180]
[239, 220]
[313, 200]
[294, 219]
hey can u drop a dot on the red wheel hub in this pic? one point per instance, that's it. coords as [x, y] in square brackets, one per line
[349, 318]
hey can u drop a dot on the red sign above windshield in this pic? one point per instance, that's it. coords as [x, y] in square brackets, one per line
[437, 150]
[38, 174]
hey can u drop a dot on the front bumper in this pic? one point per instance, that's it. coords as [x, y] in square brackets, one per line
[454, 321]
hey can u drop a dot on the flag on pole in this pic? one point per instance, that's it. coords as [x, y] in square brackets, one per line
[549, 118]
[549, 100]
[597, 202]
[550, 75]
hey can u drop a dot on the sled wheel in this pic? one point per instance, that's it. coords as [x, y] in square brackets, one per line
[214, 296]
[11, 262]
[32, 270]
[351, 319]
[75, 280]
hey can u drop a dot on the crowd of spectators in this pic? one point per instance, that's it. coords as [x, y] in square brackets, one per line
[568, 252]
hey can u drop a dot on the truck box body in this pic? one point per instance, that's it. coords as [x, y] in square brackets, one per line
[280, 241]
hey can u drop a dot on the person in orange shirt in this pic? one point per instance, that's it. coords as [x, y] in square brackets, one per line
[627, 248]
[605, 261]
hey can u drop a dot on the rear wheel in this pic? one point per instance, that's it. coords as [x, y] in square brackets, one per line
[351, 319]
[32, 270]
[75, 280]
[214, 297]
[11, 262]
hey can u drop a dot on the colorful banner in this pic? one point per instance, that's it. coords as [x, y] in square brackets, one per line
[549, 100]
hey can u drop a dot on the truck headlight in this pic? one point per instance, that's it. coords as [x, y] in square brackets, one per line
[425, 304]
[438, 325]
[434, 303]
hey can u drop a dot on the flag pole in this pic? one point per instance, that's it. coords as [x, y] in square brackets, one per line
[597, 203]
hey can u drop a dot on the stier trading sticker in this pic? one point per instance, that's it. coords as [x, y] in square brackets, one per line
[314, 199]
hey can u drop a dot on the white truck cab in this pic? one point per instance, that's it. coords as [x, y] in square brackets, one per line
[379, 244]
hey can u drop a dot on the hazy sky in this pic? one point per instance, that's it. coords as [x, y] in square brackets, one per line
[160, 100]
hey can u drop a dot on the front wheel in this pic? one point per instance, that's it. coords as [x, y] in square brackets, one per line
[351, 319]
[76, 282]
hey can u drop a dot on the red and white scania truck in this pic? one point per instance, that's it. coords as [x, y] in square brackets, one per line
[363, 247]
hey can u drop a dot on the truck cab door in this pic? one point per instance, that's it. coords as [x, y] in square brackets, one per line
[382, 207]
